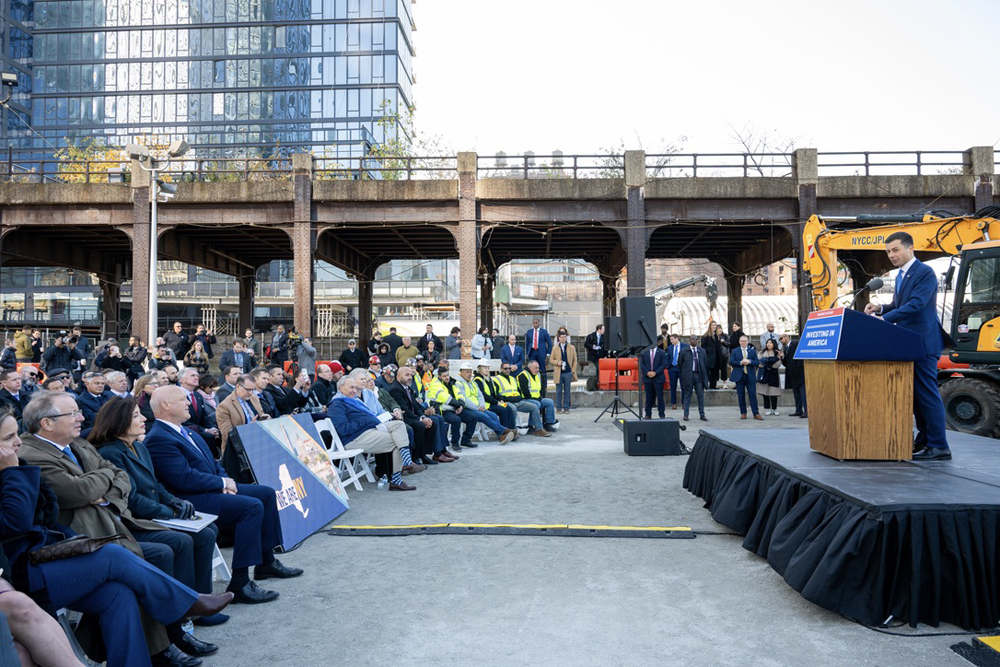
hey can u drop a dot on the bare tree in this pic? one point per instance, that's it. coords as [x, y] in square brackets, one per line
[768, 152]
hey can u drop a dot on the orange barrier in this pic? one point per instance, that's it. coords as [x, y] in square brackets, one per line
[627, 371]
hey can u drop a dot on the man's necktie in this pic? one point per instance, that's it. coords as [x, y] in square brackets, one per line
[694, 352]
[675, 356]
[899, 281]
[72, 457]
[534, 345]
[194, 405]
[652, 354]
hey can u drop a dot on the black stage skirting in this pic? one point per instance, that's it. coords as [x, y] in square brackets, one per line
[917, 541]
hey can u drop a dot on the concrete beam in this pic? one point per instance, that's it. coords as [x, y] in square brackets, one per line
[366, 307]
[303, 243]
[468, 248]
[715, 187]
[445, 191]
[765, 252]
[893, 187]
[636, 242]
[538, 189]
[247, 288]
[388, 212]
[141, 266]
[980, 163]
[175, 245]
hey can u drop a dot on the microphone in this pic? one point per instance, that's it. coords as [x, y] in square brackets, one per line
[872, 285]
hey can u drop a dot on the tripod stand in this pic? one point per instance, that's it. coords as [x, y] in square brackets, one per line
[617, 405]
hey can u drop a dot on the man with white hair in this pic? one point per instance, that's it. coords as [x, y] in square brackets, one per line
[358, 426]
[117, 383]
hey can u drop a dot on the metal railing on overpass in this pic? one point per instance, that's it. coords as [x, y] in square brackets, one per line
[890, 163]
[684, 165]
[550, 166]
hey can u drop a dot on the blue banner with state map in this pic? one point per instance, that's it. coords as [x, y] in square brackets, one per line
[287, 455]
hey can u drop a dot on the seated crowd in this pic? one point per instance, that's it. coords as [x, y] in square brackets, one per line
[107, 445]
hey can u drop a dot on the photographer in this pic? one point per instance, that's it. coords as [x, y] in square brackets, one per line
[136, 355]
[63, 354]
[113, 359]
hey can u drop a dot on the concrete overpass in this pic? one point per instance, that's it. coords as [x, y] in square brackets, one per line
[617, 220]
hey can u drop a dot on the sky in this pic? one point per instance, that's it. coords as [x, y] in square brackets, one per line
[584, 76]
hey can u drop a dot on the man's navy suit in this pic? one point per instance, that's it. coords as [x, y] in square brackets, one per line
[17, 404]
[673, 370]
[913, 307]
[229, 359]
[189, 471]
[90, 405]
[513, 357]
[653, 359]
[745, 380]
[539, 353]
[691, 378]
[201, 419]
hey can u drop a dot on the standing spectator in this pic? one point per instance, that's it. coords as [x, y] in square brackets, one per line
[596, 347]
[385, 355]
[453, 344]
[482, 344]
[279, 346]
[22, 340]
[114, 360]
[694, 376]
[795, 376]
[136, 354]
[769, 335]
[197, 358]
[664, 338]
[352, 357]
[307, 357]
[252, 347]
[724, 354]
[177, 340]
[405, 352]
[513, 354]
[673, 351]
[393, 340]
[498, 342]
[373, 344]
[37, 346]
[564, 371]
[429, 336]
[538, 346]
[8, 358]
[239, 356]
[207, 339]
[712, 345]
[768, 378]
[84, 347]
[63, 355]
[744, 361]
[652, 363]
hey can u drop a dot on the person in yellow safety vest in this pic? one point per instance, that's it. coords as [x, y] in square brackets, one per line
[508, 389]
[495, 403]
[418, 387]
[442, 395]
[530, 383]
[477, 405]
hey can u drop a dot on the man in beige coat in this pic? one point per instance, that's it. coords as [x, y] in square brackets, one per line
[239, 408]
[564, 371]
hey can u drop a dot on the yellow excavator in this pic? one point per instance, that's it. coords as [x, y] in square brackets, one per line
[969, 375]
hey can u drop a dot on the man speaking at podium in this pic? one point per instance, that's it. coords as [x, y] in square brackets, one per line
[913, 307]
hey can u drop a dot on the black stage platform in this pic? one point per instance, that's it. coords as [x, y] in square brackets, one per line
[869, 540]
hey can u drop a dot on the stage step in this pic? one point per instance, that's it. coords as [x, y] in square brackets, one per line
[982, 652]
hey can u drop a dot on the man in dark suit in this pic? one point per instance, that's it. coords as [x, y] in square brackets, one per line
[673, 351]
[425, 438]
[263, 379]
[422, 343]
[200, 418]
[230, 375]
[184, 464]
[393, 340]
[92, 398]
[537, 347]
[652, 363]
[744, 361]
[237, 356]
[795, 376]
[286, 399]
[11, 393]
[693, 369]
[913, 307]
[513, 354]
[596, 347]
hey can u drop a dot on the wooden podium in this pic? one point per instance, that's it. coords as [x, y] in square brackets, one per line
[859, 385]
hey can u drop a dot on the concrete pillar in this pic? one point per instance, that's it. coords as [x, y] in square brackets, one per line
[110, 298]
[247, 287]
[366, 306]
[979, 162]
[636, 236]
[486, 289]
[141, 264]
[609, 295]
[303, 242]
[468, 248]
[734, 291]
[807, 175]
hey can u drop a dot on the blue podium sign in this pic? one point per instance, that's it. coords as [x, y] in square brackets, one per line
[286, 455]
[821, 337]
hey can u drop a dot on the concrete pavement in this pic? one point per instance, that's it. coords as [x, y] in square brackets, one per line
[490, 600]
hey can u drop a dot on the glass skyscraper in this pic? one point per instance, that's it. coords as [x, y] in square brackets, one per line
[232, 77]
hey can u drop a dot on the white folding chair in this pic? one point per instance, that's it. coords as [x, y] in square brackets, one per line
[352, 464]
[523, 420]
[482, 433]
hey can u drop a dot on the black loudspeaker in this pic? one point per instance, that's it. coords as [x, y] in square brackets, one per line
[639, 326]
[652, 437]
[613, 334]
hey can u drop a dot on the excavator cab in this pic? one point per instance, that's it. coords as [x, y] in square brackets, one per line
[976, 317]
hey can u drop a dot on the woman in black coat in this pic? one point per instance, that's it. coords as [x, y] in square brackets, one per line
[768, 377]
[713, 352]
[117, 434]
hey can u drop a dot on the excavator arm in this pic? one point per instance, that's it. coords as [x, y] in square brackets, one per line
[931, 234]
